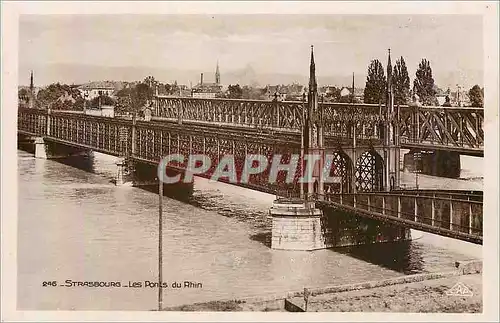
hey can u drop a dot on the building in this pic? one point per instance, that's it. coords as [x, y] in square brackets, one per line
[205, 90]
[345, 92]
[31, 93]
[92, 90]
[358, 93]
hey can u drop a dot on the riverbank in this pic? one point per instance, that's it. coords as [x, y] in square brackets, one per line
[430, 296]
[458, 291]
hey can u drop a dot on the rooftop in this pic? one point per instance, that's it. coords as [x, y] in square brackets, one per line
[98, 85]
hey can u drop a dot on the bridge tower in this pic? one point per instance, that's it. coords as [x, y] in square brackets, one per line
[391, 135]
[297, 223]
[312, 138]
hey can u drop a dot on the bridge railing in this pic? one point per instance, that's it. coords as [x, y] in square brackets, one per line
[420, 125]
[444, 215]
[442, 126]
[257, 113]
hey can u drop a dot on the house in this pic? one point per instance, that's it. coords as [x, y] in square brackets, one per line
[345, 91]
[358, 93]
[92, 90]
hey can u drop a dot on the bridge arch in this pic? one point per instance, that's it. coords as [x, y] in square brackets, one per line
[341, 166]
[369, 174]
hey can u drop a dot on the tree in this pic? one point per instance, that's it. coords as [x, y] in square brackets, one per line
[476, 96]
[235, 91]
[333, 94]
[423, 84]
[60, 97]
[124, 101]
[168, 89]
[251, 93]
[350, 98]
[447, 102]
[143, 93]
[375, 83]
[131, 99]
[150, 81]
[22, 94]
[401, 82]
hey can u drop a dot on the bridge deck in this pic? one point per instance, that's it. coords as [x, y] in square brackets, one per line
[448, 213]
[453, 214]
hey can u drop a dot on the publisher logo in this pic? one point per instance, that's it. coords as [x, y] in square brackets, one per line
[459, 289]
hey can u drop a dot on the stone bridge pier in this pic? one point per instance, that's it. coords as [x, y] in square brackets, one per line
[303, 225]
[45, 149]
[130, 172]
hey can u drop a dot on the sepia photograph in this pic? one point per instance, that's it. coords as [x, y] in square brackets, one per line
[230, 161]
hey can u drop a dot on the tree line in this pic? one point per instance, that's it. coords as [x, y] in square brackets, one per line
[130, 98]
[424, 88]
[134, 96]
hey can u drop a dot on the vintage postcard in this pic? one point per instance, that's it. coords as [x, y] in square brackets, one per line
[234, 161]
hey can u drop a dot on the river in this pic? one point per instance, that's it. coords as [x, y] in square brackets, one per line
[75, 224]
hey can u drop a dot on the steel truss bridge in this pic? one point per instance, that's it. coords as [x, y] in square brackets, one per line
[354, 133]
[436, 128]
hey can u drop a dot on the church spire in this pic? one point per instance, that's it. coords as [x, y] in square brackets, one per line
[217, 74]
[312, 72]
[352, 95]
[32, 86]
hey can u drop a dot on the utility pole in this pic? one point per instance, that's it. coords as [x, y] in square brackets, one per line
[160, 243]
[86, 95]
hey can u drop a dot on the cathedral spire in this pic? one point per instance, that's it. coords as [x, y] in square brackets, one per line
[312, 72]
[217, 74]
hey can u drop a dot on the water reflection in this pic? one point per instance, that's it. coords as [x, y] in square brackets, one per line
[178, 191]
[84, 162]
[402, 256]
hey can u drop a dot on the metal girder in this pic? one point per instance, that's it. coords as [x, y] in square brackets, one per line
[444, 126]
[458, 215]
[455, 129]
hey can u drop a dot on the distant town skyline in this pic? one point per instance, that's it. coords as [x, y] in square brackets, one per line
[258, 44]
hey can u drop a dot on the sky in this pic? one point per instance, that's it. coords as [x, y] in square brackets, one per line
[343, 44]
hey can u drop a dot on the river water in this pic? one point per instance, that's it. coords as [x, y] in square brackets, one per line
[75, 224]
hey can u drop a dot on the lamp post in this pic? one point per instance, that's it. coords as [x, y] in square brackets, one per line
[160, 243]
[86, 95]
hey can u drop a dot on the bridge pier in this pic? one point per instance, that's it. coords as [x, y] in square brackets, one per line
[122, 176]
[433, 162]
[40, 148]
[301, 225]
[296, 225]
[135, 173]
[52, 150]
